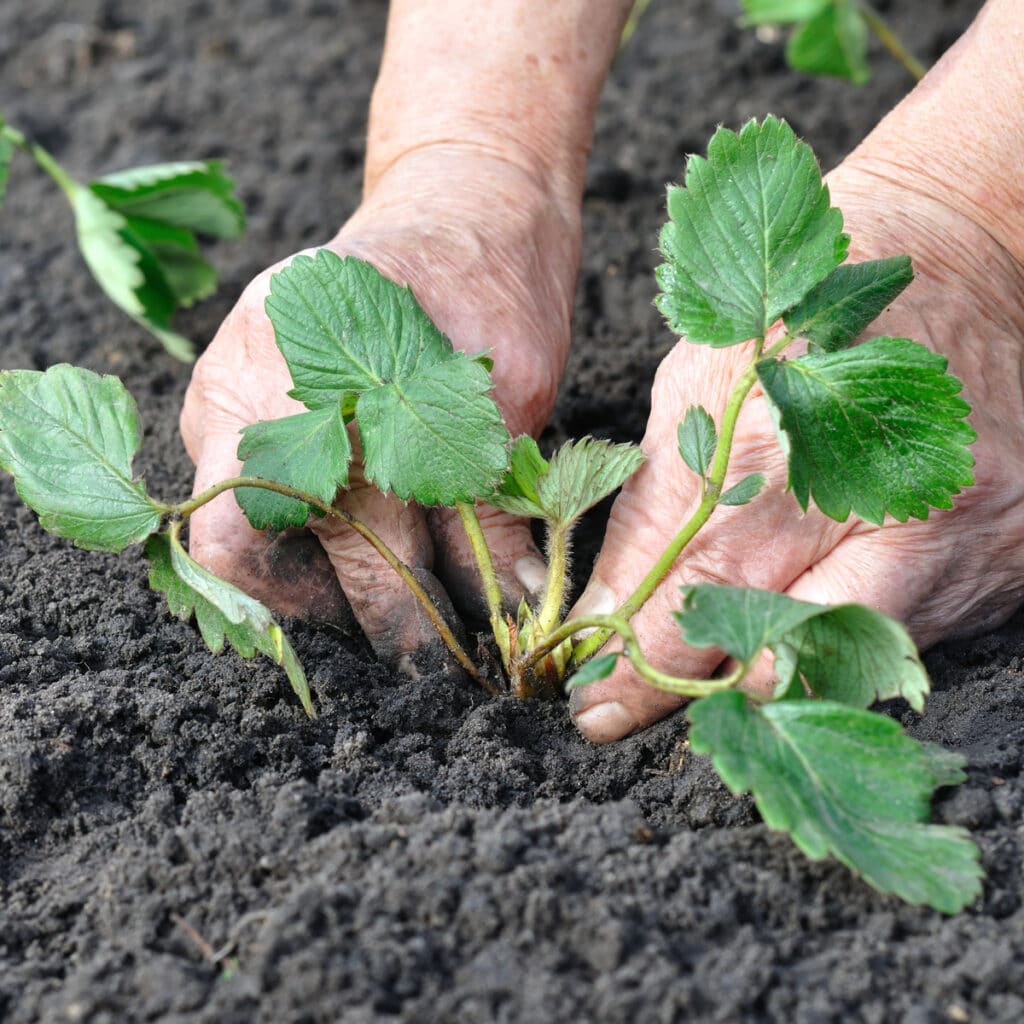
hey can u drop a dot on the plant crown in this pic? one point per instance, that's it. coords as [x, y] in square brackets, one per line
[753, 255]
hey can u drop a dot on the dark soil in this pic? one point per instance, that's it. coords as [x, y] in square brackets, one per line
[420, 853]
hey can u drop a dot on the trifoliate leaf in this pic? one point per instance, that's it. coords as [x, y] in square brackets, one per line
[846, 653]
[517, 492]
[196, 195]
[576, 478]
[135, 230]
[780, 12]
[841, 782]
[68, 436]
[832, 42]
[6, 152]
[429, 429]
[310, 451]
[750, 235]
[126, 269]
[595, 669]
[222, 611]
[741, 621]
[855, 655]
[835, 312]
[698, 439]
[744, 492]
[874, 429]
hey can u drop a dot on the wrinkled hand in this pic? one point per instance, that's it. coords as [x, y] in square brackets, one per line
[960, 572]
[493, 260]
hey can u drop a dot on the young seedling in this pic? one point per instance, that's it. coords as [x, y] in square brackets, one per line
[137, 232]
[830, 37]
[754, 256]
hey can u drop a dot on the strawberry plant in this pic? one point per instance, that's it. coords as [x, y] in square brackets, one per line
[754, 255]
[830, 37]
[137, 231]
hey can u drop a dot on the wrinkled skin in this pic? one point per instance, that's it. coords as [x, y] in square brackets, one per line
[493, 258]
[492, 255]
[958, 573]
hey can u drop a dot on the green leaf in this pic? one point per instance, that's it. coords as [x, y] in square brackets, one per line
[833, 42]
[310, 451]
[741, 621]
[595, 669]
[189, 276]
[583, 472]
[222, 612]
[428, 427]
[841, 782]
[437, 438]
[855, 655]
[126, 269]
[698, 439]
[835, 313]
[6, 152]
[342, 326]
[576, 478]
[744, 492]
[196, 195]
[847, 653]
[780, 12]
[877, 429]
[750, 235]
[517, 492]
[68, 436]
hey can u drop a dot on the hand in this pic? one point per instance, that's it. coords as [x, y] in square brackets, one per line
[959, 572]
[492, 257]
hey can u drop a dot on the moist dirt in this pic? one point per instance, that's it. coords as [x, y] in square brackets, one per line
[421, 852]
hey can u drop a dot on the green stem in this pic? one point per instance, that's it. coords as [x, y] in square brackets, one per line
[891, 41]
[485, 565]
[629, 29]
[611, 624]
[558, 572]
[44, 159]
[716, 478]
[186, 508]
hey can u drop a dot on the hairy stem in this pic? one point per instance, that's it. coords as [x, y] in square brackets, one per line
[186, 508]
[43, 159]
[891, 41]
[713, 491]
[482, 554]
[612, 624]
[558, 572]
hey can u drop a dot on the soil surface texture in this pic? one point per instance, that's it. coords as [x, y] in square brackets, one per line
[177, 841]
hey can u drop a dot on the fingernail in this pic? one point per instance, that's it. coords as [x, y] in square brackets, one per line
[532, 573]
[605, 722]
[597, 599]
